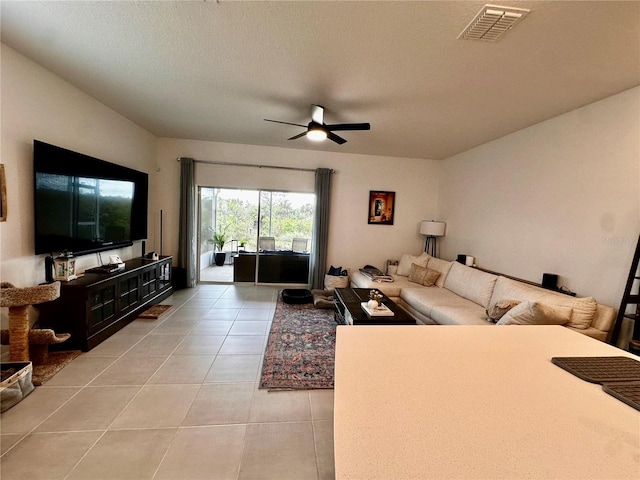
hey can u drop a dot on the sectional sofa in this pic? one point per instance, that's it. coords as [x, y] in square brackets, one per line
[462, 295]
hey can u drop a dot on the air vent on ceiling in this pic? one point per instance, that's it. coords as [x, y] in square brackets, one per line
[492, 22]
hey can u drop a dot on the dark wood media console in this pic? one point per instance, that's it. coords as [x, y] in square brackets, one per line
[96, 305]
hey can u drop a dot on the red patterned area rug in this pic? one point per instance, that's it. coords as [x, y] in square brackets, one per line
[300, 352]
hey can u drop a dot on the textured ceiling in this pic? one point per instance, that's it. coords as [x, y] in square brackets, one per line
[214, 70]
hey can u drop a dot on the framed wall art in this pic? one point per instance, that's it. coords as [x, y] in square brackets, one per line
[381, 207]
[3, 195]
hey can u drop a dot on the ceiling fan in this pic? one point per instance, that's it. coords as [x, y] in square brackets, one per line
[317, 130]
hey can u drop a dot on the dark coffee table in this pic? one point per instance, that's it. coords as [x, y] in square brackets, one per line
[349, 312]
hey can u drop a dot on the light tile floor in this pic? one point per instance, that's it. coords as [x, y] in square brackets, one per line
[174, 398]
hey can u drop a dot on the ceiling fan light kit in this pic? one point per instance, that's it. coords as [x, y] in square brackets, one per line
[317, 130]
[316, 134]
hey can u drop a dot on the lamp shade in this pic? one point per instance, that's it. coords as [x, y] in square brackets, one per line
[432, 228]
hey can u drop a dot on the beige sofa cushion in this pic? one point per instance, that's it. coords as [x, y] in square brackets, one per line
[604, 318]
[582, 309]
[471, 283]
[404, 266]
[423, 299]
[441, 266]
[467, 313]
[443, 306]
[535, 313]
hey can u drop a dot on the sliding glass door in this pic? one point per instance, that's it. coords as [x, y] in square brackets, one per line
[254, 236]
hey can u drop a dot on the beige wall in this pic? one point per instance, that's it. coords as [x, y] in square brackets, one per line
[39, 105]
[562, 196]
[352, 241]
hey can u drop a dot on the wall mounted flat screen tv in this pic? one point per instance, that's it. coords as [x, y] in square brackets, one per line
[85, 205]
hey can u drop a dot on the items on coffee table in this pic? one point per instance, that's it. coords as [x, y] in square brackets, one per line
[349, 310]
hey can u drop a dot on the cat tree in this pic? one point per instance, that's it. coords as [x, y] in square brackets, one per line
[20, 336]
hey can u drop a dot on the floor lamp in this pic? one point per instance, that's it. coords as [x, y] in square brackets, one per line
[432, 229]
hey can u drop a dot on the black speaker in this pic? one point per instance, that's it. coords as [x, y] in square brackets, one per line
[144, 247]
[550, 281]
[462, 259]
[178, 278]
[48, 269]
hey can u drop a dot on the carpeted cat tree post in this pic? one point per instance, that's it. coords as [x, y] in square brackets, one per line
[20, 334]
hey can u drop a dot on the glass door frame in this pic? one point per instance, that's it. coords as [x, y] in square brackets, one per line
[259, 227]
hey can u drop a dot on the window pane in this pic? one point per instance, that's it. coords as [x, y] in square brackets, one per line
[286, 219]
[286, 216]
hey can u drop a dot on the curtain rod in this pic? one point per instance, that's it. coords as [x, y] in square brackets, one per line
[213, 162]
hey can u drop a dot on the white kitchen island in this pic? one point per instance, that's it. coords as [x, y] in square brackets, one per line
[476, 402]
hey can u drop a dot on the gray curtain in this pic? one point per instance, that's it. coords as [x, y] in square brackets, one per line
[187, 221]
[321, 223]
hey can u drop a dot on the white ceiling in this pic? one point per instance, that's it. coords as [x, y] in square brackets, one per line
[214, 70]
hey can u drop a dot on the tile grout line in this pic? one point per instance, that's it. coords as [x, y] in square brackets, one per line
[253, 396]
[245, 297]
[313, 436]
[104, 432]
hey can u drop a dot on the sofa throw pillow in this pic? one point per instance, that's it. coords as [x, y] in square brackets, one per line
[404, 266]
[422, 275]
[430, 278]
[584, 309]
[535, 313]
[417, 273]
[498, 309]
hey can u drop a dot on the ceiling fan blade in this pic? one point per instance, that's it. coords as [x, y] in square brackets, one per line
[336, 138]
[348, 126]
[317, 114]
[286, 123]
[295, 137]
